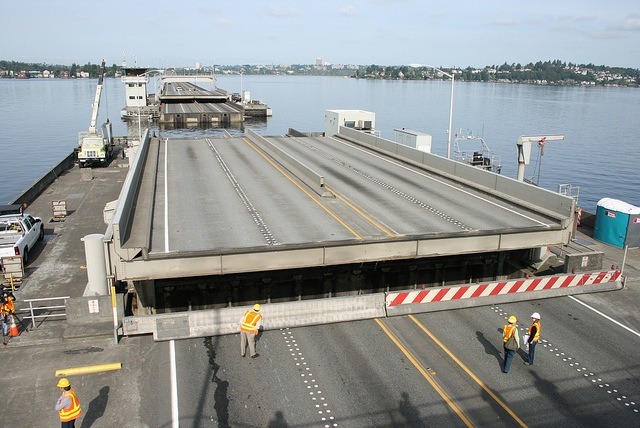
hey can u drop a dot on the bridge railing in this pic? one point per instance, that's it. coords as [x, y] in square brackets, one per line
[549, 203]
[43, 312]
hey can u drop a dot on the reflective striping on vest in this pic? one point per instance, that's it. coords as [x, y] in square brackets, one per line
[250, 321]
[8, 307]
[73, 411]
[508, 332]
[521, 285]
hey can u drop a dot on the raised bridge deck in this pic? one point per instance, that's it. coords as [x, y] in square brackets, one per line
[184, 103]
[235, 205]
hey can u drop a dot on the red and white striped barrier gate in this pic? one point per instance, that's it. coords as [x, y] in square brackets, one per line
[521, 285]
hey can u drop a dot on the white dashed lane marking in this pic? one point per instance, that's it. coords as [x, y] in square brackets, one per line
[318, 400]
[587, 374]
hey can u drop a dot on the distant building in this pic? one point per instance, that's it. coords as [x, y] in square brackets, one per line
[357, 119]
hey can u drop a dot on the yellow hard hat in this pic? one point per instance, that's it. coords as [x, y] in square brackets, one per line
[63, 383]
[512, 319]
[256, 307]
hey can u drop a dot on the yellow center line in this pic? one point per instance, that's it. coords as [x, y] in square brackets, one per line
[469, 372]
[426, 375]
[307, 192]
[362, 213]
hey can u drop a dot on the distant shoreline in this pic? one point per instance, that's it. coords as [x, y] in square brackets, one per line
[552, 73]
[505, 81]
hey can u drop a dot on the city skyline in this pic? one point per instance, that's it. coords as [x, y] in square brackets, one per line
[385, 32]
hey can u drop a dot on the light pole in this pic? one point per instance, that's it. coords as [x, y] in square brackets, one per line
[451, 76]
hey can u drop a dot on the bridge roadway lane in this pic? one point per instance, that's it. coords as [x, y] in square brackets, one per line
[586, 374]
[224, 194]
[198, 107]
[409, 200]
[231, 197]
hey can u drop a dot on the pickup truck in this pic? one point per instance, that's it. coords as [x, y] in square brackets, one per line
[19, 232]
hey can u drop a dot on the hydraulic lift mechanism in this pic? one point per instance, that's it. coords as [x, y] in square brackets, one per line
[524, 149]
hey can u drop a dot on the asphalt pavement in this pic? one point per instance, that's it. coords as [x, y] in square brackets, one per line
[115, 398]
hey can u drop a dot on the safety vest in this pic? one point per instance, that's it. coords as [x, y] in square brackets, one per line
[72, 412]
[535, 324]
[250, 321]
[508, 329]
[8, 307]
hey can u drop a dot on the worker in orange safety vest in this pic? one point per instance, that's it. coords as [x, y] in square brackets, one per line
[68, 405]
[7, 308]
[534, 336]
[250, 325]
[509, 331]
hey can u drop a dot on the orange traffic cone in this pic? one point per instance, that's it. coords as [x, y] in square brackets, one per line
[13, 328]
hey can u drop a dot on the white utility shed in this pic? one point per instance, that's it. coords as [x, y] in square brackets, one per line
[417, 140]
[356, 119]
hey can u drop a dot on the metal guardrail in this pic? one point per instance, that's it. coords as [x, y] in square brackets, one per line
[32, 310]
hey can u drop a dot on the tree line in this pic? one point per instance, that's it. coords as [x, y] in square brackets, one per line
[72, 70]
[549, 72]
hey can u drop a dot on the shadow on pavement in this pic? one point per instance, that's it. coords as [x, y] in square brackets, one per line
[96, 408]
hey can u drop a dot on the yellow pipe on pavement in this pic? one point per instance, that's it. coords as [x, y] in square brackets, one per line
[88, 369]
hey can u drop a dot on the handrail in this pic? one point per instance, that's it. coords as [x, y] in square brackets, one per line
[42, 299]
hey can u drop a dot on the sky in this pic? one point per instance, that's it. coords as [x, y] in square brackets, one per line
[445, 33]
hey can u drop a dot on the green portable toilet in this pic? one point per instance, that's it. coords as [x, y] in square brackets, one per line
[617, 223]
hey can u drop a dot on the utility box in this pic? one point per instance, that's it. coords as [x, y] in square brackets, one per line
[617, 223]
[414, 139]
[356, 119]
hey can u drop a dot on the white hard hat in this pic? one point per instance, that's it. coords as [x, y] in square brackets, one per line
[535, 315]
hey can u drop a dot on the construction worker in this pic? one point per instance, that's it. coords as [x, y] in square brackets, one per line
[509, 331]
[68, 405]
[534, 336]
[7, 309]
[250, 324]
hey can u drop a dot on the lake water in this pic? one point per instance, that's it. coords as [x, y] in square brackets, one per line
[40, 120]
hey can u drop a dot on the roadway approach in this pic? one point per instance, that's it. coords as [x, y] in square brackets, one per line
[370, 373]
[225, 222]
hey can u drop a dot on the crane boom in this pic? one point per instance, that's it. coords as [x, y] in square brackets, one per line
[95, 146]
[524, 149]
[96, 100]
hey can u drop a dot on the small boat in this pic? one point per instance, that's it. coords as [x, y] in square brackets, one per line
[479, 156]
